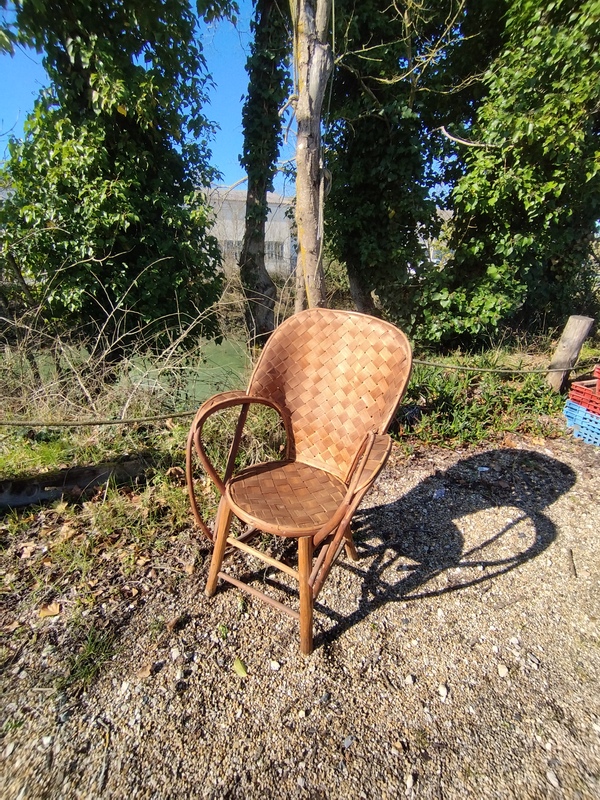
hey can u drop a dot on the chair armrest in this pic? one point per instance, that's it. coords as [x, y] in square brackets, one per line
[218, 403]
[369, 462]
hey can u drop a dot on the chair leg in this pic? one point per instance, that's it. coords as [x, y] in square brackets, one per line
[349, 545]
[305, 557]
[224, 515]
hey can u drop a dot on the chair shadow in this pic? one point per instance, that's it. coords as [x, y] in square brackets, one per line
[417, 538]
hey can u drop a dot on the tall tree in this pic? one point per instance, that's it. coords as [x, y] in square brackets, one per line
[313, 62]
[401, 72]
[527, 207]
[107, 221]
[267, 88]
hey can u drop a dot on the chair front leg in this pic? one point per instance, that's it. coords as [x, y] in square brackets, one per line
[224, 515]
[305, 557]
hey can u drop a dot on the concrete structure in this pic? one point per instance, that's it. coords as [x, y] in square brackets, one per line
[230, 210]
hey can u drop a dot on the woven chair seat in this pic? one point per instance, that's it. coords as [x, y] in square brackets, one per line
[287, 498]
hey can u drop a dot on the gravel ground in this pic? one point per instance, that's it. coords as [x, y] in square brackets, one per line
[459, 657]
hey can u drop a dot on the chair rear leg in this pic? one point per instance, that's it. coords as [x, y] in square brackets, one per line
[224, 515]
[349, 545]
[305, 557]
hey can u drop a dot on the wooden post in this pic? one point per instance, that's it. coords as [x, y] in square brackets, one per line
[567, 352]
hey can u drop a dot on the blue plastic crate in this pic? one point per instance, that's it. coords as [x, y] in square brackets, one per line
[585, 425]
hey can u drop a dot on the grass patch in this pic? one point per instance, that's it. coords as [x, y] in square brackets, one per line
[97, 648]
[453, 407]
[94, 560]
[72, 382]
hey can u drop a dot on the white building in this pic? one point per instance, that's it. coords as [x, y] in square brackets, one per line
[230, 210]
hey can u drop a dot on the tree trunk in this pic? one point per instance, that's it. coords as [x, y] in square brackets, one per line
[360, 291]
[300, 298]
[314, 63]
[258, 286]
[20, 279]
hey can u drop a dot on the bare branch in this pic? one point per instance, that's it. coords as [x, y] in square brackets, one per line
[466, 142]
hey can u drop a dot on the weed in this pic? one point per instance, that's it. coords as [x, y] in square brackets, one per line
[263, 438]
[75, 556]
[157, 627]
[49, 377]
[97, 648]
[421, 739]
[10, 725]
[223, 631]
[454, 407]
[16, 524]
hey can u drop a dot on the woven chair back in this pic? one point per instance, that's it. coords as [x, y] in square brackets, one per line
[339, 375]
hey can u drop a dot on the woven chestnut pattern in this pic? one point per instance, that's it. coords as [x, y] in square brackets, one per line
[290, 498]
[339, 377]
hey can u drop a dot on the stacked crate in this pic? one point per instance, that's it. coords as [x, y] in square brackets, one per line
[582, 409]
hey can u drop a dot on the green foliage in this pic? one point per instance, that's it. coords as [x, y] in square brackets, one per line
[379, 184]
[526, 209]
[268, 86]
[96, 648]
[519, 79]
[454, 407]
[6, 42]
[337, 287]
[269, 83]
[106, 214]
[401, 73]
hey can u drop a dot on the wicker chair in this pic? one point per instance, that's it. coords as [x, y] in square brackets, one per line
[335, 378]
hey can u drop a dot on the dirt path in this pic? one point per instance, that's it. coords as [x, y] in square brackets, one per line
[458, 658]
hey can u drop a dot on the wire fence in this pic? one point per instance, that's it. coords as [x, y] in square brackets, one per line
[181, 414]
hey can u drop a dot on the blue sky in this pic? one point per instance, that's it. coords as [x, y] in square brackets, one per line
[225, 48]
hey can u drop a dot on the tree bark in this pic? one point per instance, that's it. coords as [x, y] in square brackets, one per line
[360, 291]
[258, 286]
[300, 297]
[20, 279]
[314, 63]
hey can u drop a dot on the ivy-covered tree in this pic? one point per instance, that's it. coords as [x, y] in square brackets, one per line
[106, 220]
[402, 71]
[268, 86]
[374, 153]
[526, 209]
